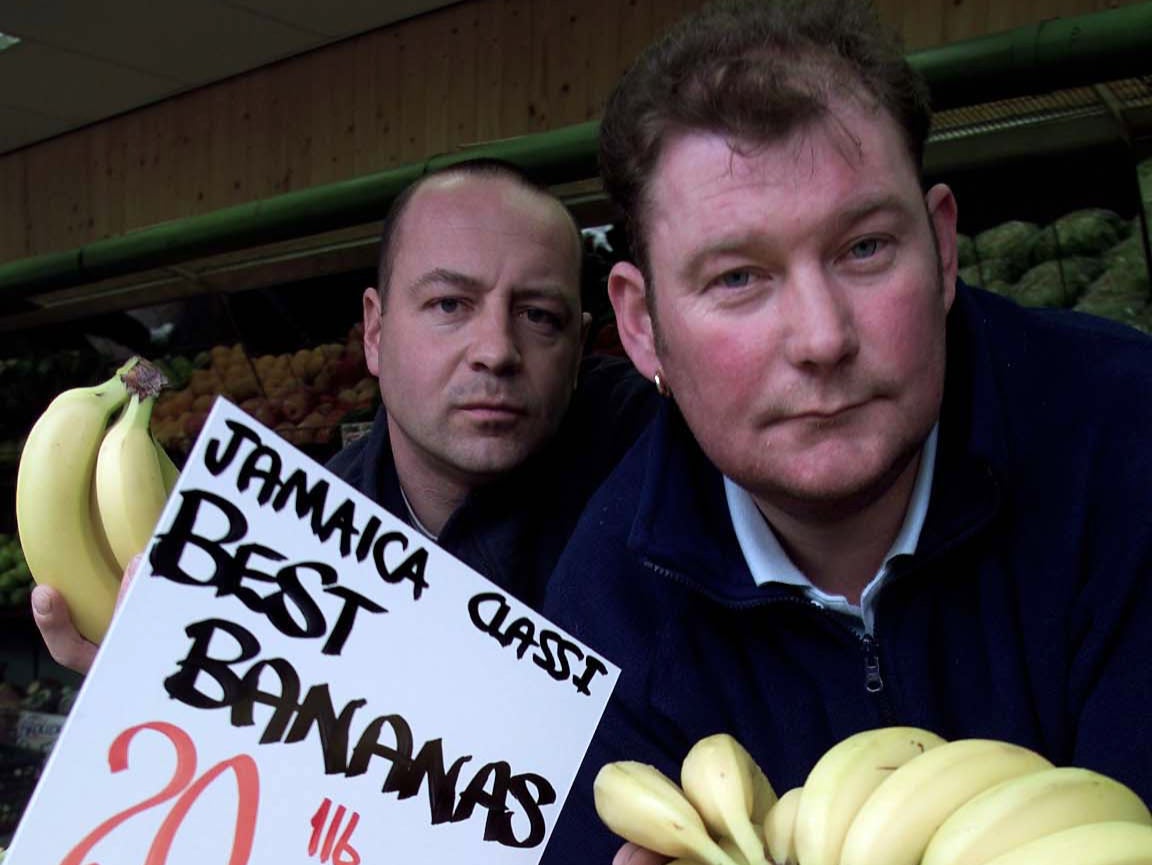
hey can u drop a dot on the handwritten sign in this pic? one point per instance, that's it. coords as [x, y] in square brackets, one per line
[296, 676]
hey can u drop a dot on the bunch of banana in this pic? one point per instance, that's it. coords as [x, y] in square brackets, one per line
[893, 796]
[730, 792]
[780, 828]
[643, 805]
[843, 779]
[1024, 809]
[898, 819]
[89, 489]
[714, 817]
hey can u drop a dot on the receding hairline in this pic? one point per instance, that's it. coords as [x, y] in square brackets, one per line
[456, 176]
[742, 67]
[829, 114]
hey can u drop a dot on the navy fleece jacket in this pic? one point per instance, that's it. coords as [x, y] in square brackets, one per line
[1025, 613]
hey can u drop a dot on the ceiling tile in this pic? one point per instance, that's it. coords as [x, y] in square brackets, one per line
[192, 42]
[338, 18]
[78, 87]
[18, 127]
[84, 60]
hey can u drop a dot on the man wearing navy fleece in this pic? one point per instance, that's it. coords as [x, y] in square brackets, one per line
[873, 495]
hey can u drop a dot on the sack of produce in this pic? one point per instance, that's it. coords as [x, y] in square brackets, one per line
[1083, 232]
[1011, 242]
[1057, 283]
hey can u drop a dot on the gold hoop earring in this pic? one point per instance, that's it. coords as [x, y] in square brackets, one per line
[661, 385]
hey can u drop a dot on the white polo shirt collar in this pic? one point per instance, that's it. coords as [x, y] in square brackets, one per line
[770, 564]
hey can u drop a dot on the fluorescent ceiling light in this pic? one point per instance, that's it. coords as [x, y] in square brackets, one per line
[7, 41]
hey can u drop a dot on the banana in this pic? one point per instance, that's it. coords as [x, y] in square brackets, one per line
[780, 828]
[643, 805]
[1110, 843]
[131, 488]
[1023, 809]
[764, 799]
[734, 853]
[724, 783]
[167, 468]
[60, 533]
[842, 780]
[895, 823]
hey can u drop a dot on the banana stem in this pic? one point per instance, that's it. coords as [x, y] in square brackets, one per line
[143, 378]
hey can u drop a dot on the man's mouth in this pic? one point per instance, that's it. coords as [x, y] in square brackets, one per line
[828, 413]
[492, 410]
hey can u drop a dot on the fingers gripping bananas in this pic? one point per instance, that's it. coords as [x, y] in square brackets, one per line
[62, 526]
[892, 796]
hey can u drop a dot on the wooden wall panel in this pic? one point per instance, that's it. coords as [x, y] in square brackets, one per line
[476, 71]
[15, 242]
[107, 174]
[58, 194]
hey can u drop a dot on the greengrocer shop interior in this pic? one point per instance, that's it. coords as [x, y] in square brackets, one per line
[179, 175]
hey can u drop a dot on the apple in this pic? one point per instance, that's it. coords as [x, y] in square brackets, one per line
[295, 405]
[262, 410]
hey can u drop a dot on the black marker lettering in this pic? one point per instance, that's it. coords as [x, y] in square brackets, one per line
[593, 666]
[317, 711]
[532, 802]
[497, 614]
[556, 664]
[309, 501]
[283, 701]
[269, 474]
[353, 602]
[182, 685]
[214, 461]
[406, 779]
[167, 553]
[369, 745]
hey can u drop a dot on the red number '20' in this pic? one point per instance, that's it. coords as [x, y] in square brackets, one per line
[185, 785]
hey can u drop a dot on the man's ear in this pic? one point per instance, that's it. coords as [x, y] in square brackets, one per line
[373, 308]
[627, 290]
[941, 205]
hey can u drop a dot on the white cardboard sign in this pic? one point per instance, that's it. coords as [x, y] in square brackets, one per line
[296, 676]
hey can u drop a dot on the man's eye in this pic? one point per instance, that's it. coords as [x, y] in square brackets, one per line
[865, 248]
[448, 304]
[734, 279]
[542, 317]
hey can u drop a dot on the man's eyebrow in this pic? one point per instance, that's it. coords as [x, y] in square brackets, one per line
[453, 278]
[443, 276]
[542, 292]
[862, 210]
[732, 243]
[738, 243]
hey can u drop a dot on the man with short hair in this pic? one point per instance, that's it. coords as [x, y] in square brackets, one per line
[872, 495]
[492, 433]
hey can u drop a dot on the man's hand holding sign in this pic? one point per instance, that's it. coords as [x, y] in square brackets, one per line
[296, 675]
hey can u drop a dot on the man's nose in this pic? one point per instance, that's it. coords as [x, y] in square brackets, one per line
[821, 323]
[493, 345]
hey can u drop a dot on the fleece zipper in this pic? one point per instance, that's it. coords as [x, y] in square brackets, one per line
[873, 678]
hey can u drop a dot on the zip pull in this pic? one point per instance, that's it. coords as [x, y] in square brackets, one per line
[873, 681]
